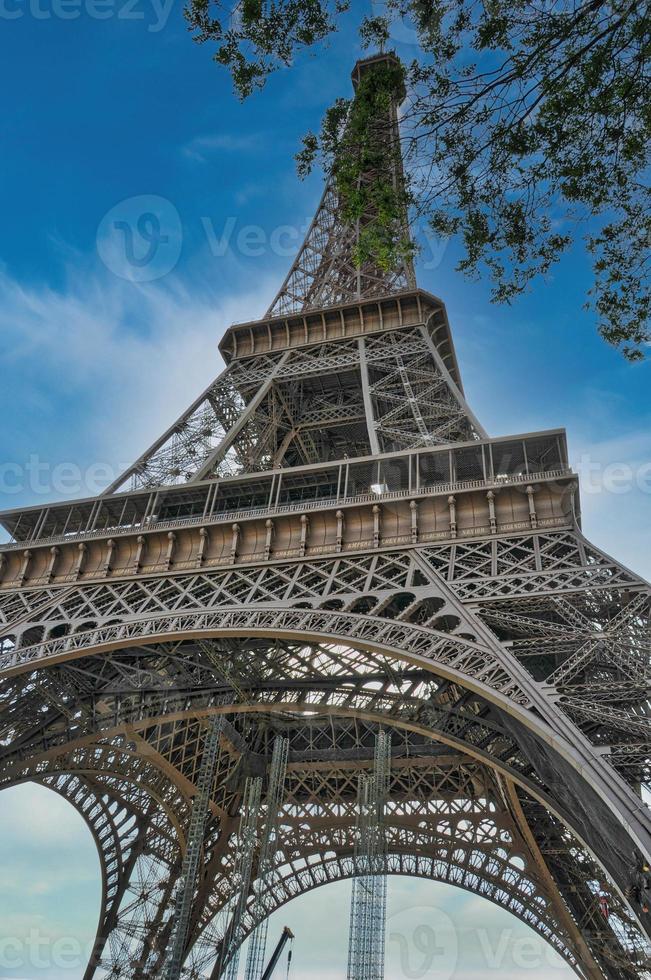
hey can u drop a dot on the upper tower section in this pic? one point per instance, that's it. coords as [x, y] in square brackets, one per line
[346, 394]
[334, 265]
[352, 360]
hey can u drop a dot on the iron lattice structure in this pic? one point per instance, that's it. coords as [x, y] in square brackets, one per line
[325, 545]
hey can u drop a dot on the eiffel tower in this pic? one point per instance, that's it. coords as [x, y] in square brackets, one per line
[326, 546]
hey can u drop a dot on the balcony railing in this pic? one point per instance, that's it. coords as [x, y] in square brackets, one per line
[301, 507]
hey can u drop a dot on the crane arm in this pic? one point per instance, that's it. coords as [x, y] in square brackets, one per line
[287, 934]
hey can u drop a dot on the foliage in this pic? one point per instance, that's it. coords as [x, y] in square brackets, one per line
[255, 37]
[355, 141]
[526, 128]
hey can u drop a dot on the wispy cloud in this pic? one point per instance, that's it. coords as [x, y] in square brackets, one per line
[201, 148]
[95, 371]
[615, 481]
[50, 885]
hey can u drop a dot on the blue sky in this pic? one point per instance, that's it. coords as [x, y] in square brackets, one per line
[97, 113]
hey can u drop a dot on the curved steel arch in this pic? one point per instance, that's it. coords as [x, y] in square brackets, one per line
[93, 750]
[306, 872]
[468, 659]
[509, 896]
[486, 669]
[119, 851]
[410, 865]
[475, 842]
[477, 664]
[85, 765]
[127, 838]
[411, 840]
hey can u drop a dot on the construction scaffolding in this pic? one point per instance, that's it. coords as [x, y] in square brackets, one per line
[258, 941]
[369, 894]
[187, 882]
[247, 845]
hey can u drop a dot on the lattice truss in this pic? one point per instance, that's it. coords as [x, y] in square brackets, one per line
[306, 406]
[255, 960]
[573, 617]
[327, 269]
[185, 885]
[202, 436]
[598, 638]
[413, 403]
[115, 731]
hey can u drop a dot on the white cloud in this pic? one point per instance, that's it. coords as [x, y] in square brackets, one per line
[35, 814]
[615, 480]
[128, 357]
[201, 147]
